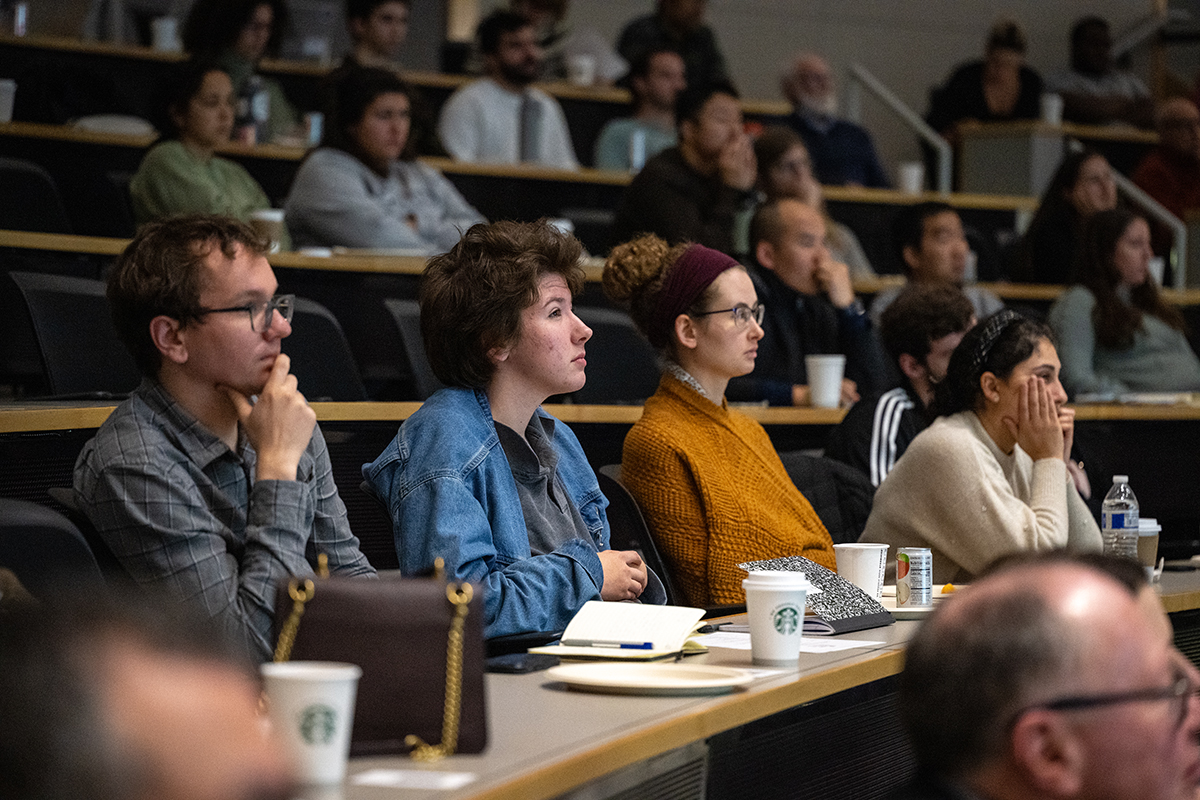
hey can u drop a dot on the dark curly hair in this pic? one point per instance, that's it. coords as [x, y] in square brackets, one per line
[996, 345]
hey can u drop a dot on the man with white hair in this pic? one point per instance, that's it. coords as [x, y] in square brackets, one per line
[1054, 676]
[842, 152]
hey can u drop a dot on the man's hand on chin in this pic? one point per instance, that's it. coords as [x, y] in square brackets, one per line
[279, 426]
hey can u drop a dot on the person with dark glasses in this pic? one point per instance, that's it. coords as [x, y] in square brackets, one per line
[212, 482]
[1052, 676]
[707, 478]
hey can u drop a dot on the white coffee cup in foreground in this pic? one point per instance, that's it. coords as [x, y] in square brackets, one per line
[775, 602]
[825, 379]
[863, 564]
[311, 705]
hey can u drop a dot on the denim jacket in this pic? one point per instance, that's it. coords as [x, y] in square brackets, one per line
[450, 493]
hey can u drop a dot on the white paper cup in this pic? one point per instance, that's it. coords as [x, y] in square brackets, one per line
[1052, 108]
[912, 177]
[863, 565]
[269, 223]
[825, 379]
[8, 94]
[581, 69]
[311, 705]
[164, 35]
[775, 604]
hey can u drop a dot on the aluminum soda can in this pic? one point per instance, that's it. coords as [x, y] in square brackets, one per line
[914, 577]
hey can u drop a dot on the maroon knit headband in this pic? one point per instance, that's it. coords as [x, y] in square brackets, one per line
[686, 280]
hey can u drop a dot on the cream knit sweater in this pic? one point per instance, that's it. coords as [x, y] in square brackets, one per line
[955, 492]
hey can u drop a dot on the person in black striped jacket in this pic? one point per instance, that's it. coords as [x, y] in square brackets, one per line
[919, 331]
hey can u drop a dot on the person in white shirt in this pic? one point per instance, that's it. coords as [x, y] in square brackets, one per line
[502, 118]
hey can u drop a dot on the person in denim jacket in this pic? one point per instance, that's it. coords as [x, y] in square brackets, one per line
[480, 475]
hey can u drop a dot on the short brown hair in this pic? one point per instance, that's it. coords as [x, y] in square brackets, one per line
[922, 314]
[161, 273]
[472, 297]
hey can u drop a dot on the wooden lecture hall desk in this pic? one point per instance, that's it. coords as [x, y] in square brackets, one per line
[59, 79]
[828, 729]
[92, 170]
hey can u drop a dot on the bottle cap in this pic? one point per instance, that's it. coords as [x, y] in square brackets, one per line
[1120, 479]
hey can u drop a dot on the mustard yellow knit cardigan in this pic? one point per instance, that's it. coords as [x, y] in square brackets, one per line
[715, 493]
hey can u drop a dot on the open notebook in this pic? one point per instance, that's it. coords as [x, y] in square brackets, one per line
[627, 632]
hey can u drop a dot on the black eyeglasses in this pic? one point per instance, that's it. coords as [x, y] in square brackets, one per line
[742, 314]
[1180, 689]
[261, 314]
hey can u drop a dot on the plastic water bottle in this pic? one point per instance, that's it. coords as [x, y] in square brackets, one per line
[1119, 519]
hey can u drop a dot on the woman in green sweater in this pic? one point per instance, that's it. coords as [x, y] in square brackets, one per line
[1116, 333]
[182, 174]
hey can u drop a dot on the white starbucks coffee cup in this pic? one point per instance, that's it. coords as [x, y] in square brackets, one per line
[311, 706]
[775, 603]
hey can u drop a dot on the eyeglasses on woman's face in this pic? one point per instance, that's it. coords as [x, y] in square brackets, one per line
[742, 314]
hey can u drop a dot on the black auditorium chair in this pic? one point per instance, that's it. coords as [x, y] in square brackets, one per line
[407, 316]
[622, 366]
[840, 494]
[321, 357]
[44, 549]
[81, 354]
[29, 199]
[629, 529]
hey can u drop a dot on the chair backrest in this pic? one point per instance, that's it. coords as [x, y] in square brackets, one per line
[44, 549]
[29, 199]
[622, 366]
[81, 353]
[407, 314]
[840, 494]
[375, 537]
[629, 529]
[321, 357]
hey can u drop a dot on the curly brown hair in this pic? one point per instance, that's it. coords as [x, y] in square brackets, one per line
[633, 278]
[472, 297]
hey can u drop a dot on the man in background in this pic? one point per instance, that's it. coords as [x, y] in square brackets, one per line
[1094, 91]
[502, 118]
[1170, 173]
[655, 81]
[932, 246]
[1052, 677]
[212, 482]
[694, 192]
[842, 152]
[811, 308]
[678, 25]
[107, 699]
[378, 29]
[919, 331]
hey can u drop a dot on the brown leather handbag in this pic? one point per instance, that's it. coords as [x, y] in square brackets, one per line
[419, 642]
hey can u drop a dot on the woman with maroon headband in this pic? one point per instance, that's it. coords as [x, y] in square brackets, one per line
[707, 477]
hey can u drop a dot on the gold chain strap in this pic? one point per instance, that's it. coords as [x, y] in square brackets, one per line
[460, 598]
[287, 636]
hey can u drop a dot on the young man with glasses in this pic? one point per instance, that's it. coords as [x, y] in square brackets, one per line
[1053, 676]
[811, 309]
[212, 482]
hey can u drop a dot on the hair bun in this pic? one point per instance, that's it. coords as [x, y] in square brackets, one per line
[633, 265]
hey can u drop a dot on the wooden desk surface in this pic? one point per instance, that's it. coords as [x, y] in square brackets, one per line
[1111, 133]
[49, 416]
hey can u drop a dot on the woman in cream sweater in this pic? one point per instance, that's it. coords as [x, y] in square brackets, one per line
[710, 483]
[991, 475]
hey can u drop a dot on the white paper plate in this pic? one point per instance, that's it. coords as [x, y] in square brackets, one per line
[911, 612]
[659, 679]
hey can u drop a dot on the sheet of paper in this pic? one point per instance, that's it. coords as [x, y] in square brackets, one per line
[413, 779]
[734, 640]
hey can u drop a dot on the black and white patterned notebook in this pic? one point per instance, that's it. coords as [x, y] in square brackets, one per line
[840, 606]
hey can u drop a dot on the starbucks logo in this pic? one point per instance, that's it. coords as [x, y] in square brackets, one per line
[317, 724]
[787, 620]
